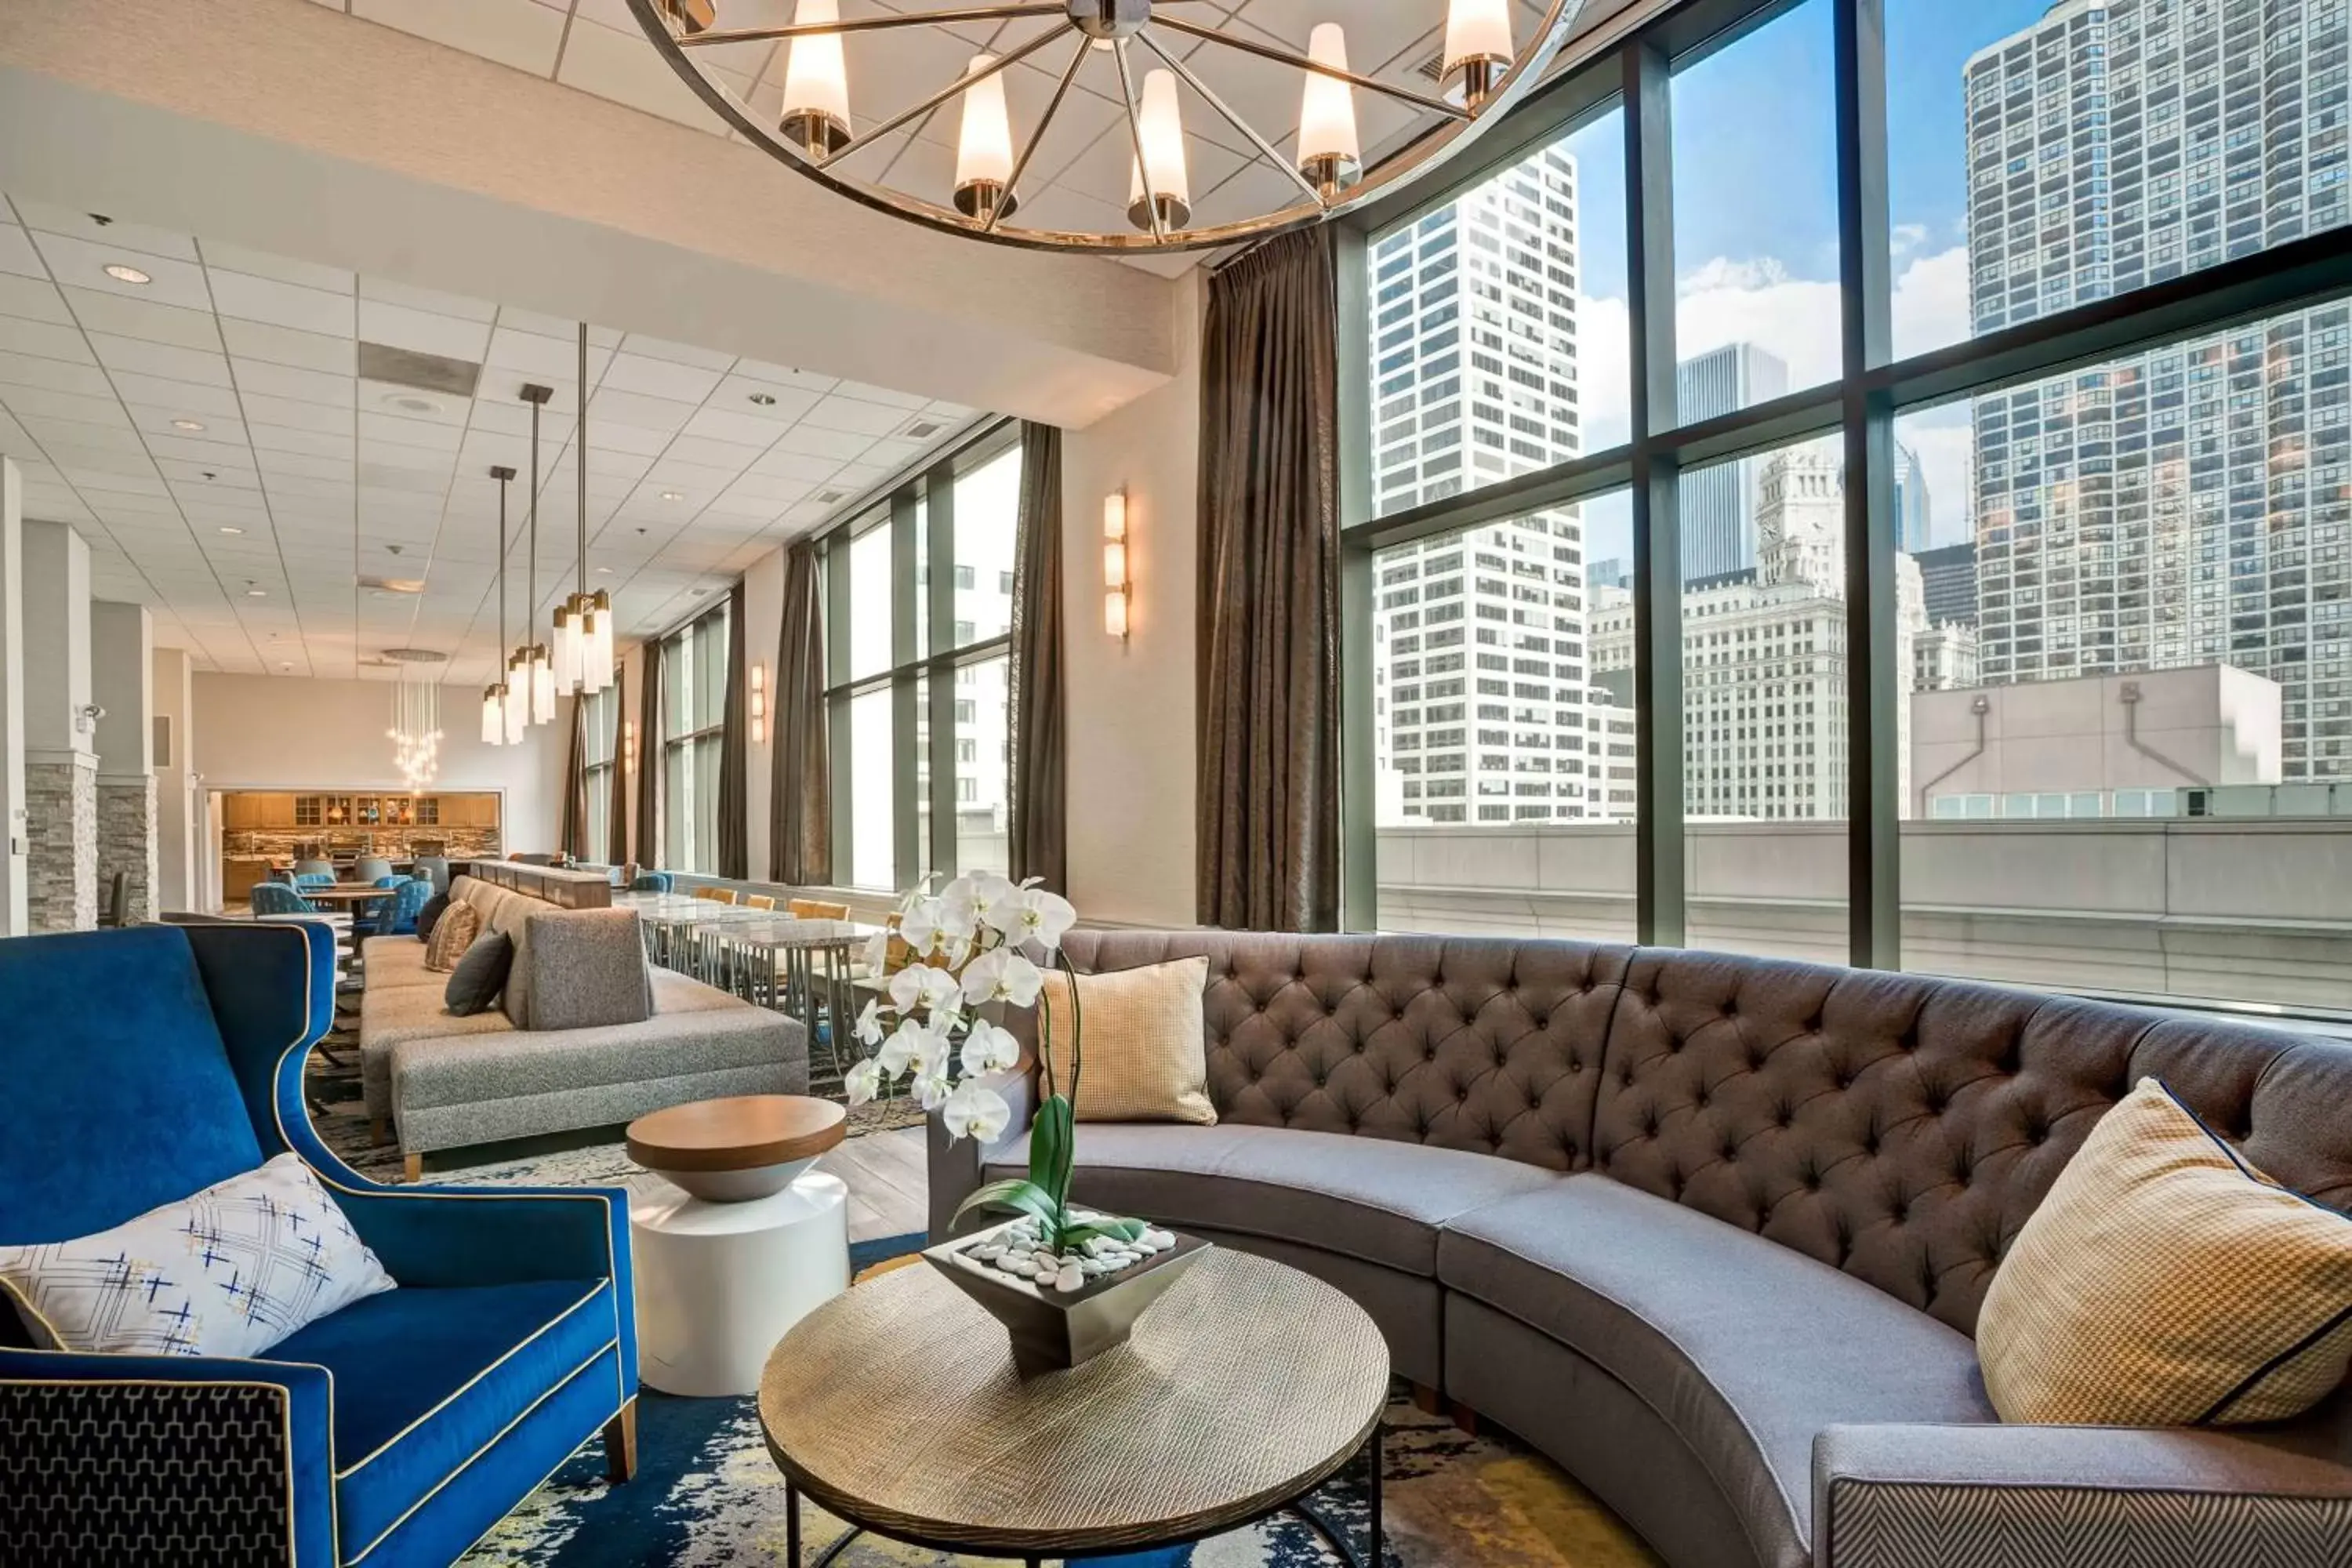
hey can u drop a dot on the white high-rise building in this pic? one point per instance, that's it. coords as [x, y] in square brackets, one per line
[1718, 503]
[1481, 669]
[2189, 505]
[1764, 655]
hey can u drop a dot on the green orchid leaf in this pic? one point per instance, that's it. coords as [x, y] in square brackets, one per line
[1015, 1194]
[1053, 1144]
[1118, 1229]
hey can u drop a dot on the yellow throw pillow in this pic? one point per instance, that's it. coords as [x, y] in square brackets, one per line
[453, 934]
[2165, 1282]
[1140, 1041]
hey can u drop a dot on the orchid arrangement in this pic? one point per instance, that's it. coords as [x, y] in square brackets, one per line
[981, 941]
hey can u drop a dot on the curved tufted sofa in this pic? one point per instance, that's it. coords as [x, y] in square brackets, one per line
[1713, 1232]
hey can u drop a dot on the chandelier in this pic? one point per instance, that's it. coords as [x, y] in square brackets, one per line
[1138, 53]
[415, 731]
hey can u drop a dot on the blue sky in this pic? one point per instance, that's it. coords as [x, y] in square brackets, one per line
[1756, 214]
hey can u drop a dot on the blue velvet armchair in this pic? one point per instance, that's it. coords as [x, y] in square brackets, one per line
[145, 1064]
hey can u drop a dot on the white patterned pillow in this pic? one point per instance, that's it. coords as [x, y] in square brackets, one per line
[228, 1272]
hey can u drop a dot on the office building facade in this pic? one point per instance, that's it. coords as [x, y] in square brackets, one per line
[1718, 502]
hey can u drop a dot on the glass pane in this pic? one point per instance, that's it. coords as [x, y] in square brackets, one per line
[1503, 733]
[2147, 616]
[873, 791]
[925, 862]
[1764, 750]
[706, 803]
[982, 742]
[2043, 156]
[869, 601]
[1498, 325]
[987, 522]
[1755, 225]
[678, 808]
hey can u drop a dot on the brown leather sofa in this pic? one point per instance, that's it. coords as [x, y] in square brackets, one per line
[1713, 1232]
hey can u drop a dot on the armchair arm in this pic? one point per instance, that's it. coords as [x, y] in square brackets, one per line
[2059, 1497]
[954, 1167]
[166, 1460]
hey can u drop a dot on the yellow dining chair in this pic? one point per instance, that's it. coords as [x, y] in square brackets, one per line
[758, 901]
[817, 910]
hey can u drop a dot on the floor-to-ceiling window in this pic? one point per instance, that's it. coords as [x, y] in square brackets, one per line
[695, 708]
[598, 719]
[919, 601]
[1921, 433]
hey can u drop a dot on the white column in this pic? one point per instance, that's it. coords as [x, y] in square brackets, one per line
[179, 808]
[15, 878]
[60, 733]
[123, 682]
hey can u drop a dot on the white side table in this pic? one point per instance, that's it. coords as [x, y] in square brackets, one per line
[718, 1283]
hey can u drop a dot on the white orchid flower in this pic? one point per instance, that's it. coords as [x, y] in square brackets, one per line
[990, 1050]
[1043, 918]
[979, 894]
[920, 987]
[911, 1043]
[974, 1110]
[864, 1082]
[869, 1022]
[876, 954]
[933, 1088]
[1001, 976]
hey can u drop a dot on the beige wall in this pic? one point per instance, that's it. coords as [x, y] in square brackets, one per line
[1134, 756]
[259, 731]
[179, 808]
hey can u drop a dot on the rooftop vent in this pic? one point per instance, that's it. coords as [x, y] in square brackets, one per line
[426, 373]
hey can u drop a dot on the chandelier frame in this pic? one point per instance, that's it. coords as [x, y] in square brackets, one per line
[678, 29]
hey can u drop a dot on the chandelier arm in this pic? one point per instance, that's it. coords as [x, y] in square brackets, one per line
[1290, 58]
[872, 23]
[1266, 149]
[1036, 137]
[968, 79]
[1134, 134]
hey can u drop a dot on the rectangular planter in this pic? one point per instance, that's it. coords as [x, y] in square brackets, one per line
[1053, 1331]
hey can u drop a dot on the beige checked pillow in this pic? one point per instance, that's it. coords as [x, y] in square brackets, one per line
[1140, 1037]
[2165, 1282]
[453, 934]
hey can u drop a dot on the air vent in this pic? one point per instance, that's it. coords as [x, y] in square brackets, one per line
[826, 498]
[1434, 68]
[925, 430]
[414, 656]
[395, 585]
[426, 373]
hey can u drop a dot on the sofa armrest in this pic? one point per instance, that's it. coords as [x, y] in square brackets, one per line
[166, 1460]
[2058, 1497]
[955, 1165]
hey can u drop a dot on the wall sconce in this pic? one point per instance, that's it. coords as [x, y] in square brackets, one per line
[1115, 584]
[629, 744]
[758, 704]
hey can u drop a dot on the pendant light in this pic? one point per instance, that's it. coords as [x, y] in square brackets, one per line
[530, 669]
[983, 187]
[587, 668]
[1478, 48]
[1331, 154]
[817, 83]
[495, 695]
[1160, 196]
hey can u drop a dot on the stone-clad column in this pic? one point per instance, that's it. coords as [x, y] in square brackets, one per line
[15, 873]
[123, 682]
[60, 733]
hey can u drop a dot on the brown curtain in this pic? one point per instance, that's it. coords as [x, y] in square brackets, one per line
[617, 809]
[799, 795]
[734, 753]
[649, 759]
[575, 783]
[1269, 657]
[1039, 819]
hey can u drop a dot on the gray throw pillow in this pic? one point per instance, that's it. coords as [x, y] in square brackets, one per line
[480, 976]
[430, 916]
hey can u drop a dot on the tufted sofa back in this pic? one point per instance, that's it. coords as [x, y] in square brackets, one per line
[1485, 1044]
[1898, 1127]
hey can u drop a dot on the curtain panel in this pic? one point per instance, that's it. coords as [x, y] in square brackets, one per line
[575, 783]
[616, 807]
[1038, 711]
[649, 759]
[1269, 655]
[800, 797]
[734, 753]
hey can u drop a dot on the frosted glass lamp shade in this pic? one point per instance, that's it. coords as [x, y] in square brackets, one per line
[494, 719]
[985, 155]
[1478, 31]
[566, 648]
[1327, 111]
[1162, 170]
[816, 76]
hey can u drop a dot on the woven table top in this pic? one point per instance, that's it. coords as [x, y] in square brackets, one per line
[1247, 1384]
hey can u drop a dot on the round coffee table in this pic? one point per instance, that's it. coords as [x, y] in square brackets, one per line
[896, 1407]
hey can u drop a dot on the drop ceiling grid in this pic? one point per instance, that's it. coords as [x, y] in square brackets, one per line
[323, 477]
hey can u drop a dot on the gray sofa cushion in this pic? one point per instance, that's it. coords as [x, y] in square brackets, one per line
[1749, 1349]
[1369, 1198]
[588, 969]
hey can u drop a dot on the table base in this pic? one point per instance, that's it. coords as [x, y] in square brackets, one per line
[1305, 1511]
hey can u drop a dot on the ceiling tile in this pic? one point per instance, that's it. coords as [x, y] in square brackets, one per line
[280, 304]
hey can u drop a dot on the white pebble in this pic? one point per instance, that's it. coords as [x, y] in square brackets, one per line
[1069, 1279]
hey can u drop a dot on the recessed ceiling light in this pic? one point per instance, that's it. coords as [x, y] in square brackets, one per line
[410, 403]
[764, 399]
[673, 495]
[257, 592]
[122, 274]
[226, 529]
[187, 424]
[604, 571]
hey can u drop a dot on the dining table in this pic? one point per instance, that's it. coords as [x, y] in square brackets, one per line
[802, 968]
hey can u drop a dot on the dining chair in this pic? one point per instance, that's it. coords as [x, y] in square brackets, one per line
[370, 869]
[759, 901]
[650, 882]
[278, 898]
[720, 895]
[312, 866]
[817, 910]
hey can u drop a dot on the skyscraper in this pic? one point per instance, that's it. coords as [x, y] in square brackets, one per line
[1950, 575]
[2185, 505]
[1719, 503]
[1914, 520]
[1480, 664]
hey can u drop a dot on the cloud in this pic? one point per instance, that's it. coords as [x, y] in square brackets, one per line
[1605, 372]
[1908, 237]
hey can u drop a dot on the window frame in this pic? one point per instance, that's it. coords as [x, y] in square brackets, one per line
[1634, 69]
[919, 510]
[693, 820]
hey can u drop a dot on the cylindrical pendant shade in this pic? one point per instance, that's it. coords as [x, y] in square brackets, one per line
[565, 648]
[984, 153]
[1478, 30]
[494, 720]
[542, 684]
[817, 76]
[1162, 118]
[1327, 111]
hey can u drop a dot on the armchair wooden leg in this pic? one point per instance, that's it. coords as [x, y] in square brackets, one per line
[412, 1167]
[621, 1445]
[1427, 1400]
[379, 1130]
